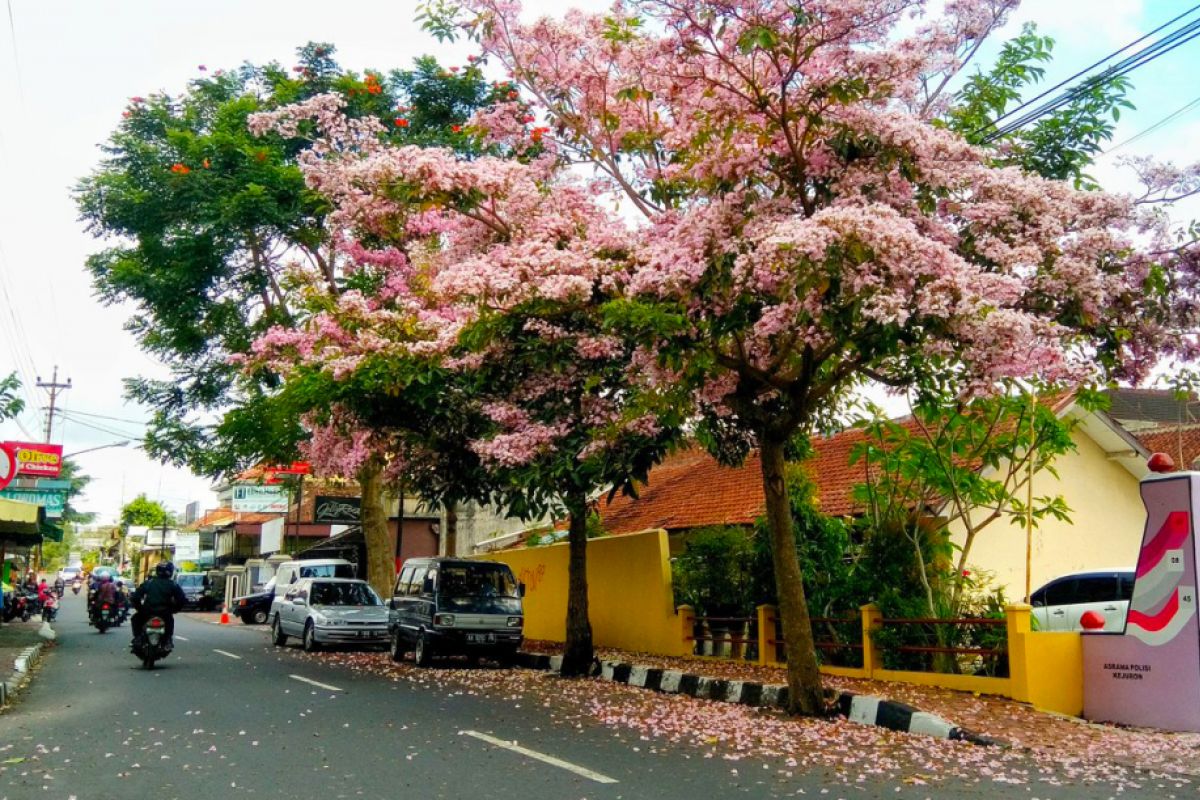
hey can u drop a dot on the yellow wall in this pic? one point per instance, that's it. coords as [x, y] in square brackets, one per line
[1105, 530]
[629, 592]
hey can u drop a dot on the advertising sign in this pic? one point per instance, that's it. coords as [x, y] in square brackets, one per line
[271, 536]
[337, 509]
[37, 459]
[8, 465]
[187, 547]
[252, 497]
[53, 500]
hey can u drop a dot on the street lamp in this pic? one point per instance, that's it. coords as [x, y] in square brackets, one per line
[101, 447]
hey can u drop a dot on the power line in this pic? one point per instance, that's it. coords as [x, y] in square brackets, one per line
[1156, 50]
[114, 419]
[1157, 125]
[110, 431]
[1088, 69]
[55, 387]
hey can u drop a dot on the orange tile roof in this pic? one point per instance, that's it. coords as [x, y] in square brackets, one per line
[1180, 442]
[220, 517]
[690, 489]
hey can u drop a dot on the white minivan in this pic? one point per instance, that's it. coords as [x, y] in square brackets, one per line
[1059, 604]
[289, 572]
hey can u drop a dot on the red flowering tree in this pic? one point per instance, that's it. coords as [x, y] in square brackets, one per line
[807, 229]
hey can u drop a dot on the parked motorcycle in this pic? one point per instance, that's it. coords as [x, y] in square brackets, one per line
[103, 617]
[23, 605]
[153, 644]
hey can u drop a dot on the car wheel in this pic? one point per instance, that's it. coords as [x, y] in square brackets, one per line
[396, 647]
[278, 637]
[423, 651]
[310, 638]
[259, 617]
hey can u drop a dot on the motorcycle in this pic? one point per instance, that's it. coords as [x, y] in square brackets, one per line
[153, 644]
[103, 617]
[76, 586]
[50, 609]
[22, 606]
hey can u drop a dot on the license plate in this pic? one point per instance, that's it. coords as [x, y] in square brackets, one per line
[486, 638]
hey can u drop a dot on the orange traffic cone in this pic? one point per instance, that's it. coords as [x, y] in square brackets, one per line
[224, 616]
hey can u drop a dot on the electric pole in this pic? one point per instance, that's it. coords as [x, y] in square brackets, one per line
[54, 387]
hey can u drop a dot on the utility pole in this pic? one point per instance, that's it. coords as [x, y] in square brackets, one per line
[55, 387]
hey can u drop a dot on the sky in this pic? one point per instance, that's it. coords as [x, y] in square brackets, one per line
[68, 69]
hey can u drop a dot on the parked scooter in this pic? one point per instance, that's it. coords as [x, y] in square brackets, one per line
[153, 644]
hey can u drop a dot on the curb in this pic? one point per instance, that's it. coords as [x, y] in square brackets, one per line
[863, 709]
[23, 664]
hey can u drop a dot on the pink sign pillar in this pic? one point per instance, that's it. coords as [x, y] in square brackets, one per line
[1149, 675]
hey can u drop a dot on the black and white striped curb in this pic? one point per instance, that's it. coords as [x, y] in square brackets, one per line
[863, 709]
[22, 665]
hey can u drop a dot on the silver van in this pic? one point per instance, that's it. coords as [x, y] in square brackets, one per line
[447, 606]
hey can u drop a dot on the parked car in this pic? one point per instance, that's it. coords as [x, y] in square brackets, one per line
[197, 588]
[444, 606]
[255, 608]
[1059, 604]
[324, 611]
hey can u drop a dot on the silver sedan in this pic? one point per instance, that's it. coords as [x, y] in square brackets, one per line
[325, 611]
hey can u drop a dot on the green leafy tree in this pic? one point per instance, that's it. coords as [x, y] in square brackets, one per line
[10, 404]
[143, 511]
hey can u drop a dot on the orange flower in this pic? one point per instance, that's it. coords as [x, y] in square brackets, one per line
[261, 155]
[180, 169]
[456, 128]
[207, 164]
[537, 133]
[512, 95]
[401, 122]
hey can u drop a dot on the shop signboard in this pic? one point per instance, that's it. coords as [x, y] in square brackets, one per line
[337, 509]
[8, 465]
[37, 459]
[53, 500]
[254, 497]
[187, 547]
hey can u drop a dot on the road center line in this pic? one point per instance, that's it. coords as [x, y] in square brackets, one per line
[551, 760]
[311, 682]
[226, 653]
[181, 638]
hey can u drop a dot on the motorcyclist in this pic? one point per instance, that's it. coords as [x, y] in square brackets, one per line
[60, 586]
[43, 591]
[106, 592]
[159, 596]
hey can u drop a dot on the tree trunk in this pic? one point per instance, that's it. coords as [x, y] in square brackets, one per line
[578, 655]
[451, 534]
[805, 695]
[381, 570]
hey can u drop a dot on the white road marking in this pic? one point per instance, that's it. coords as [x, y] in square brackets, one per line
[534, 754]
[181, 638]
[316, 683]
[226, 653]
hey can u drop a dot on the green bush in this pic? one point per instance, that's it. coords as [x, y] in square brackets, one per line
[714, 572]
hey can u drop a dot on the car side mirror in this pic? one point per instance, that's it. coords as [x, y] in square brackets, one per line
[520, 590]
[299, 601]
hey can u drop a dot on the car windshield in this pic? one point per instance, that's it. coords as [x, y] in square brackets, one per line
[343, 594]
[476, 581]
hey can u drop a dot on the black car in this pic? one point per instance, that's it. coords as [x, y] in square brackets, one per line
[254, 608]
[197, 588]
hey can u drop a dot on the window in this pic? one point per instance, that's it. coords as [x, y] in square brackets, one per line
[1096, 589]
[477, 580]
[326, 571]
[1125, 586]
[429, 582]
[418, 578]
[402, 582]
[1060, 593]
[343, 594]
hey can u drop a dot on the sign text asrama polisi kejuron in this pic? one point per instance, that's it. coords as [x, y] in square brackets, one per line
[36, 459]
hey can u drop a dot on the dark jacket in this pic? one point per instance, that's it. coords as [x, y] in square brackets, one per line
[159, 596]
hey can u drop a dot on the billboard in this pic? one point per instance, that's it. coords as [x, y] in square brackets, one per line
[271, 536]
[187, 547]
[337, 509]
[253, 497]
[37, 459]
[53, 500]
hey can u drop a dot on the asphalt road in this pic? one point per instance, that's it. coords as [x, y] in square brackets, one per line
[229, 716]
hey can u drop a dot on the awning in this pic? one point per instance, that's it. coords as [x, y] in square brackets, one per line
[21, 523]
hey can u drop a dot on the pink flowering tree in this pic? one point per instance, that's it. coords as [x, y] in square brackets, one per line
[488, 280]
[806, 229]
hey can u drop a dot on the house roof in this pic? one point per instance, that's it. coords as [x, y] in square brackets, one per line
[1180, 442]
[220, 517]
[1153, 406]
[689, 489]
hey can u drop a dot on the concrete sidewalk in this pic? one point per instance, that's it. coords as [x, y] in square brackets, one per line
[20, 647]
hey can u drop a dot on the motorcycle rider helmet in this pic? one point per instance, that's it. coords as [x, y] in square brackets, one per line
[164, 569]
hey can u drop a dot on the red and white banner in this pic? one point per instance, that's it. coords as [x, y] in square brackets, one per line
[37, 459]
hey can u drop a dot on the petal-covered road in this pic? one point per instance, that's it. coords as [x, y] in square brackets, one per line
[230, 715]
